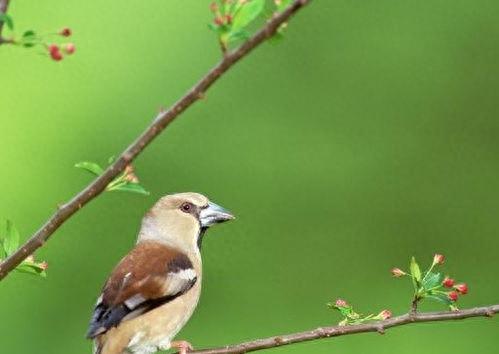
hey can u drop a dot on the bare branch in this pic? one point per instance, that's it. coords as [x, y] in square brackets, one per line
[95, 188]
[336, 331]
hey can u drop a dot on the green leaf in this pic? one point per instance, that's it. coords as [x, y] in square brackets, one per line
[131, 187]
[415, 270]
[3, 254]
[31, 268]
[91, 167]
[11, 240]
[440, 298]
[432, 280]
[29, 33]
[7, 19]
[247, 14]
[239, 35]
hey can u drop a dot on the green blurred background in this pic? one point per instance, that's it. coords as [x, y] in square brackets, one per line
[370, 134]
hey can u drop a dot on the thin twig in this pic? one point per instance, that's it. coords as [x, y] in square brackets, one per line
[65, 211]
[336, 331]
[414, 306]
[4, 5]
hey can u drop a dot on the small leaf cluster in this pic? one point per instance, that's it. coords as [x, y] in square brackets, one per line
[7, 20]
[232, 18]
[45, 41]
[432, 284]
[125, 182]
[9, 243]
[350, 317]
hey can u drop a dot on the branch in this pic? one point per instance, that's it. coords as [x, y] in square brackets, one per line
[4, 5]
[164, 118]
[336, 331]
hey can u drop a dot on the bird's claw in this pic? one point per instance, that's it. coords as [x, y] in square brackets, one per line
[182, 346]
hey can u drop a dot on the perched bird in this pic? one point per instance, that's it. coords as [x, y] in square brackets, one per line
[154, 289]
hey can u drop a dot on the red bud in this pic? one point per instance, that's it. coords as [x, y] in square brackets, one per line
[452, 295]
[214, 6]
[55, 52]
[462, 288]
[448, 282]
[65, 32]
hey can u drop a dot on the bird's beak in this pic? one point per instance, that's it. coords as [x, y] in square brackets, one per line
[214, 214]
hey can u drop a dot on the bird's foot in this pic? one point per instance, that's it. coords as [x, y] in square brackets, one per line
[182, 346]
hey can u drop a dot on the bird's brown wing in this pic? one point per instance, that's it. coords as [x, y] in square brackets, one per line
[149, 276]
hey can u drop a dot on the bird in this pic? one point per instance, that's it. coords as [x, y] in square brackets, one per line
[154, 289]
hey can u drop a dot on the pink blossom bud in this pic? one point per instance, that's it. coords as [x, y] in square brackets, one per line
[385, 314]
[69, 48]
[448, 282]
[341, 303]
[43, 265]
[438, 259]
[397, 272]
[462, 288]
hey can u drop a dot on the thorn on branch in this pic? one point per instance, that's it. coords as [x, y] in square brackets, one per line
[380, 329]
[278, 340]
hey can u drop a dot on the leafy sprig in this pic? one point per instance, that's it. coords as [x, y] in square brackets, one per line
[46, 41]
[432, 284]
[126, 181]
[9, 243]
[232, 18]
[350, 317]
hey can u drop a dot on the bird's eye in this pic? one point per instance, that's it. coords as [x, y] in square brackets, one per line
[186, 207]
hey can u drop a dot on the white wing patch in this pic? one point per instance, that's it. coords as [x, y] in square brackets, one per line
[134, 301]
[179, 281]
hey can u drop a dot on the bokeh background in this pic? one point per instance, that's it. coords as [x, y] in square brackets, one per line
[370, 134]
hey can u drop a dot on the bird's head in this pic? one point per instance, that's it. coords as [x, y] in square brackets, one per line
[181, 219]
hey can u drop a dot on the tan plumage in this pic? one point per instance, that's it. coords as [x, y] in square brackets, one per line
[154, 290]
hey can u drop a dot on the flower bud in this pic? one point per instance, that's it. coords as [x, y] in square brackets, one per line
[438, 259]
[55, 52]
[65, 32]
[462, 288]
[69, 48]
[214, 7]
[397, 272]
[385, 314]
[43, 265]
[341, 303]
[448, 282]
[218, 21]
[452, 295]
